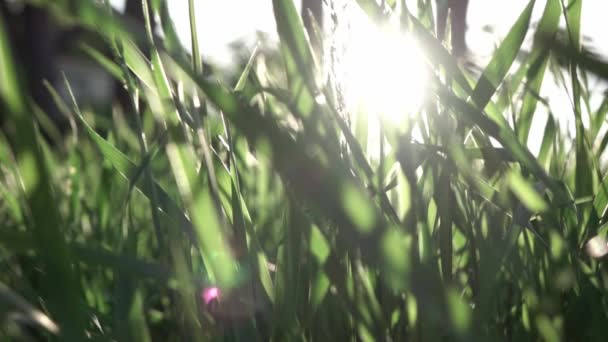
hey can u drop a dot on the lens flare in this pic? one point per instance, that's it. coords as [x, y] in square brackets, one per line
[210, 294]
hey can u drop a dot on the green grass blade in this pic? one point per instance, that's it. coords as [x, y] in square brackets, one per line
[537, 62]
[102, 60]
[548, 138]
[584, 168]
[501, 62]
[129, 170]
[291, 32]
[197, 61]
[10, 298]
[60, 283]
[504, 135]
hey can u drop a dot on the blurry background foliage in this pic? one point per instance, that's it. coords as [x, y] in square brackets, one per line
[147, 175]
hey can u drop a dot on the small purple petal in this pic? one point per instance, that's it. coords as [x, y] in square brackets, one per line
[210, 294]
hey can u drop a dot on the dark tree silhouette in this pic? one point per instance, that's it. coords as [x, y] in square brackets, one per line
[37, 42]
[33, 38]
[458, 10]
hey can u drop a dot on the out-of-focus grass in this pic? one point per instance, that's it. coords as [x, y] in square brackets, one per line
[264, 190]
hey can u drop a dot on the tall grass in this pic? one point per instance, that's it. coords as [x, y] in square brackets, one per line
[256, 184]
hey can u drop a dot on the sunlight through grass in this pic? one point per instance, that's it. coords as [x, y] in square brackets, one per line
[194, 211]
[384, 70]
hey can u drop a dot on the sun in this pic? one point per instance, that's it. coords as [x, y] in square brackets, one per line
[384, 71]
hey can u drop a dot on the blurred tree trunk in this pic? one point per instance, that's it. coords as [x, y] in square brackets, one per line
[458, 27]
[33, 38]
[39, 53]
[134, 10]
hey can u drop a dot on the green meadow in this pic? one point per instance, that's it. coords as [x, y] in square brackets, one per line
[254, 204]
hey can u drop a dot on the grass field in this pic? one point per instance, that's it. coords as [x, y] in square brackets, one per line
[254, 205]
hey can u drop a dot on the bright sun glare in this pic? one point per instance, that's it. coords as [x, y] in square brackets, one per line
[384, 70]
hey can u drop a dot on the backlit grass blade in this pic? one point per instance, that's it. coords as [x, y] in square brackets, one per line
[291, 160]
[198, 195]
[145, 152]
[362, 228]
[102, 60]
[503, 58]
[526, 193]
[598, 119]
[197, 61]
[137, 62]
[357, 151]
[584, 174]
[128, 170]
[241, 219]
[448, 235]
[192, 192]
[537, 65]
[291, 32]
[504, 135]
[545, 147]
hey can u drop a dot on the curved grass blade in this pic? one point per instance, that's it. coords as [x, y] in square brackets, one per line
[501, 62]
[504, 135]
[322, 188]
[129, 170]
[537, 64]
[200, 197]
[102, 60]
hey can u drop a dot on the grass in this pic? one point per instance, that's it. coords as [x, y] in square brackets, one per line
[247, 182]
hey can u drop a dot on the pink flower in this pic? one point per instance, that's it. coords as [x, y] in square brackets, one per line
[210, 294]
